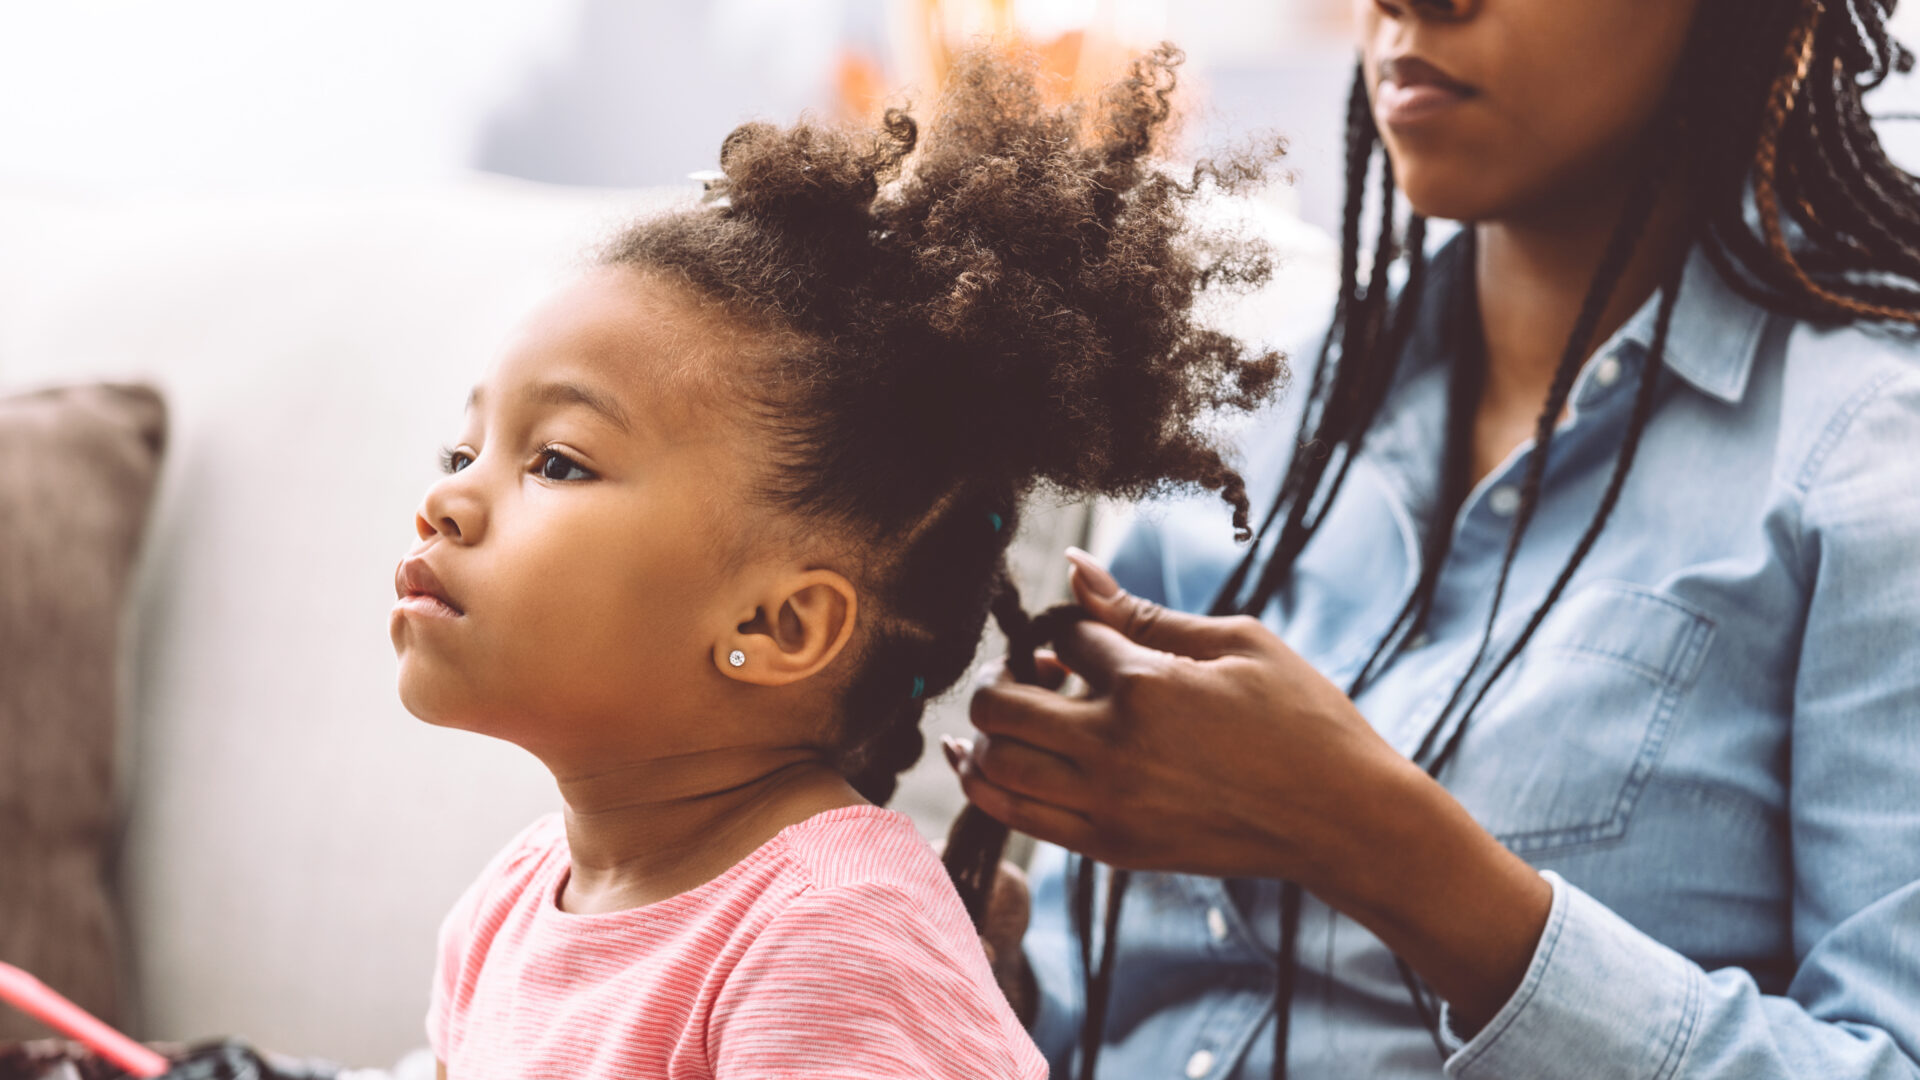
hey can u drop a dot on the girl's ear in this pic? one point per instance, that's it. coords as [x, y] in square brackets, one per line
[803, 622]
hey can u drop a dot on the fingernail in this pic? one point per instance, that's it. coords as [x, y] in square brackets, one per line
[1095, 575]
[951, 747]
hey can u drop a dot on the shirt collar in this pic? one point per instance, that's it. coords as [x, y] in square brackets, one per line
[1714, 336]
[1711, 343]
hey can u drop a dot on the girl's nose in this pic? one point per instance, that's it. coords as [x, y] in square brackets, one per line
[450, 511]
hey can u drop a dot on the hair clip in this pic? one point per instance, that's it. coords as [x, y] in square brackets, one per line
[713, 187]
[994, 520]
[919, 687]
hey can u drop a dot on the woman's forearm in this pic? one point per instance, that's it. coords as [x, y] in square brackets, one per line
[1442, 893]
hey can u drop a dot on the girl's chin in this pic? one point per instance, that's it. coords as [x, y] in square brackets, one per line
[429, 695]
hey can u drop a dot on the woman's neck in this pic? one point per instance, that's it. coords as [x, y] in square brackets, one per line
[1533, 273]
[646, 830]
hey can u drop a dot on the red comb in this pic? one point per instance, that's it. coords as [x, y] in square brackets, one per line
[45, 1004]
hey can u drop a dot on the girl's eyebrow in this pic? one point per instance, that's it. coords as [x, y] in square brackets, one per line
[569, 393]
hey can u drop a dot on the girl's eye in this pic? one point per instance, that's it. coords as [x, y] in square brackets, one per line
[452, 461]
[555, 465]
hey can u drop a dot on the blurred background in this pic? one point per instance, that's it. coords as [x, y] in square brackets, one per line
[308, 226]
[230, 95]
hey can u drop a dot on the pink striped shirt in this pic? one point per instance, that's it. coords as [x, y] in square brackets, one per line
[837, 949]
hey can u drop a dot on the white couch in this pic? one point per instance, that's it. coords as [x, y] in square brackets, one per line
[292, 834]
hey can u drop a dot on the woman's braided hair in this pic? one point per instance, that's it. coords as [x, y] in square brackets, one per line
[1002, 303]
[1766, 116]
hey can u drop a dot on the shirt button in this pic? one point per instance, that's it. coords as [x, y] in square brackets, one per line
[1419, 641]
[1607, 371]
[1200, 1064]
[1504, 500]
[1217, 924]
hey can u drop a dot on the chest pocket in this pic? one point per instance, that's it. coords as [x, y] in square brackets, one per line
[1561, 749]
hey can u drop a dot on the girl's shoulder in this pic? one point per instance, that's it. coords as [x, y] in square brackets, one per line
[517, 862]
[870, 969]
[504, 879]
[865, 872]
[855, 846]
[545, 835]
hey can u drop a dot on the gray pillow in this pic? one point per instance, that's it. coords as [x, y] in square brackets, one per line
[77, 471]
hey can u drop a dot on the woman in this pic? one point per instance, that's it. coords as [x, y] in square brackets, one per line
[1576, 736]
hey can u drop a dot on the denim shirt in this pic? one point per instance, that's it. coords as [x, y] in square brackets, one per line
[1710, 749]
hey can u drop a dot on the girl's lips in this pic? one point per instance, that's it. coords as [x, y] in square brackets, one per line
[414, 579]
[426, 604]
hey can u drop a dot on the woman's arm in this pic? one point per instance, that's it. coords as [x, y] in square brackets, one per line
[1206, 746]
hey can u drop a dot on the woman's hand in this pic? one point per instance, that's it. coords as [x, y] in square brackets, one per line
[1207, 746]
[1204, 745]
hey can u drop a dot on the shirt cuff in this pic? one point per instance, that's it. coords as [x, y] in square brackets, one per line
[1600, 1001]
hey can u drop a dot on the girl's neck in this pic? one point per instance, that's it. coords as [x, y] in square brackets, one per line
[643, 831]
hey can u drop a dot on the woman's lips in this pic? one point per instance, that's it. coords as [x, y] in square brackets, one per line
[1411, 89]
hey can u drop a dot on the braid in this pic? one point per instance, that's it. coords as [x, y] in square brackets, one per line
[1097, 979]
[975, 842]
[1613, 264]
[1464, 384]
[1623, 463]
[1348, 385]
[894, 750]
[1812, 158]
[1309, 460]
[1781, 99]
[939, 592]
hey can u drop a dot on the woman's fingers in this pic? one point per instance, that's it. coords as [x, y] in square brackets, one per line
[1100, 654]
[1036, 716]
[1022, 768]
[1201, 637]
[1038, 819]
[1053, 673]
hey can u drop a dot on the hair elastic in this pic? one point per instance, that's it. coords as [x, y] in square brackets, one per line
[994, 520]
[919, 687]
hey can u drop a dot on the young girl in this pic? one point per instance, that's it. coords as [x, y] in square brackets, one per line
[725, 515]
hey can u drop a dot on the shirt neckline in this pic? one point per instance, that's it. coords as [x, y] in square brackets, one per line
[554, 876]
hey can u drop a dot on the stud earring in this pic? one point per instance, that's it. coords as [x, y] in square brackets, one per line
[736, 658]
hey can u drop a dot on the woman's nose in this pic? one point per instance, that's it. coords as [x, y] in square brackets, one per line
[1437, 10]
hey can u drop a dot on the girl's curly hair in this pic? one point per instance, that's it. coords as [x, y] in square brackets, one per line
[1004, 302]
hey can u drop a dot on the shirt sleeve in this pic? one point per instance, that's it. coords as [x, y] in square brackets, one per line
[456, 934]
[1602, 999]
[858, 982]
[450, 955]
